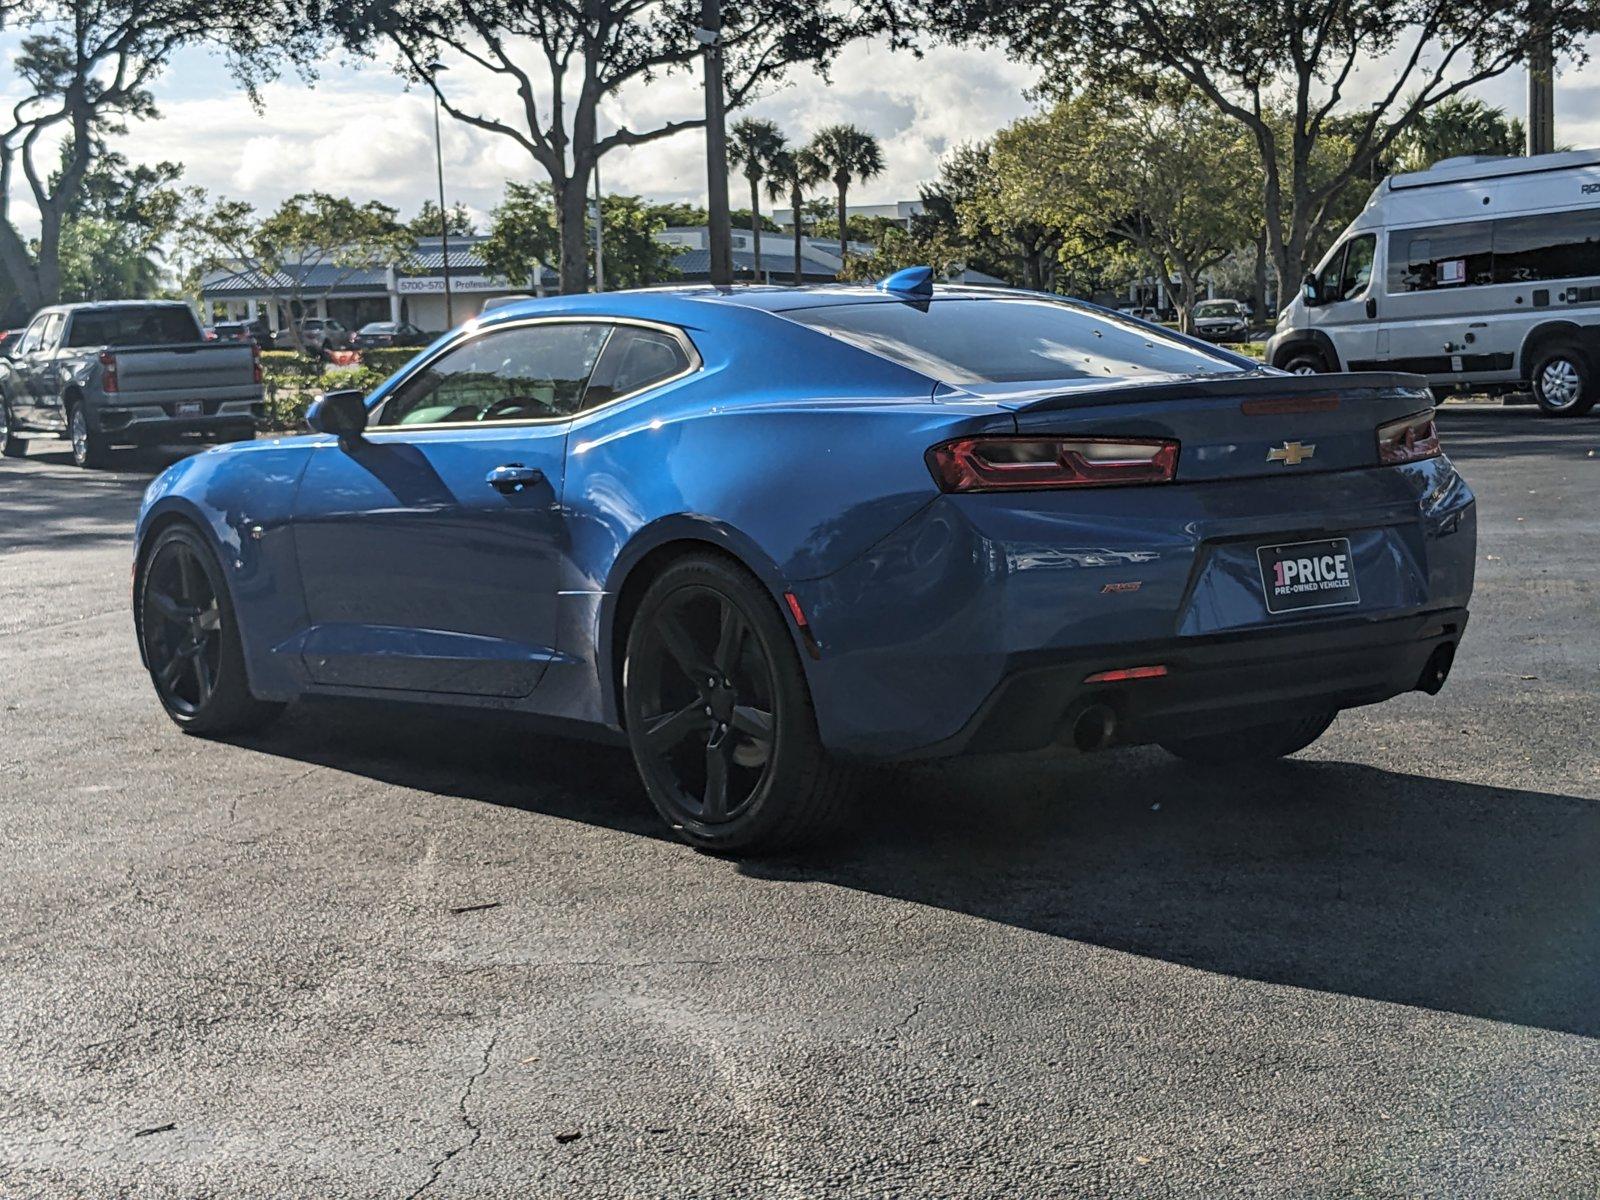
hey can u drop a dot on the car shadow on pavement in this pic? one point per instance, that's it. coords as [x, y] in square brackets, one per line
[1334, 876]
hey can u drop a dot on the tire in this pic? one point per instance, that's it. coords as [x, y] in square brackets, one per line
[189, 638]
[1563, 381]
[89, 449]
[710, 667]
[1255, 744]
[10, 444]
[1306, 362]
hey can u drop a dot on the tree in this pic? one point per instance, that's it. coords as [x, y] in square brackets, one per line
[83, 70]
[790, 173]
[112, 235]
[897, 248]
[298, 254]
[950, 210]
[563, 61]
[426, 223]
[846, 154]
[754, 146]
[1160, 176]
[1019, 221]
[522, 238]
[1296, 58]
[1457, 126]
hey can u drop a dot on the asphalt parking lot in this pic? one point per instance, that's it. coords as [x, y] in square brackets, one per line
[383, 952]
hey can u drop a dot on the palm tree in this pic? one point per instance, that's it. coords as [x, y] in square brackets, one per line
[754, 145]
[846, 153]
[790, 173]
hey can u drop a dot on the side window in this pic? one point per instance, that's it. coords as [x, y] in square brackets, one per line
[1549, 246]
[50, 338]
[529, 372]
[1328, 278]
[634, 359]
[1441, 256]
[1357, 272]
[30, 339]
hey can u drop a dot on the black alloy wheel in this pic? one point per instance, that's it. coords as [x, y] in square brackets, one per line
[719, 716]
[189, 641]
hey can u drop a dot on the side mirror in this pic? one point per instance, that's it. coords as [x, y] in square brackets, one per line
[1310, 291]
[341, 413]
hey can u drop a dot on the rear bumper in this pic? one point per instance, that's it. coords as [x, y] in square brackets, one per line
[138, 424]
[1212, 684]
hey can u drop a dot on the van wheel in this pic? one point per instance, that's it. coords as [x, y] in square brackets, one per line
[1306, 362]
[1563, 381]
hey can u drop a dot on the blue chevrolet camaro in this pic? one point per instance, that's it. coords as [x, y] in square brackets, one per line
[769, 533]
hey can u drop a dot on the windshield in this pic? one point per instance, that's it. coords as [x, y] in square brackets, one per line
[157, 325]
[1217, 308]
[1006, 340]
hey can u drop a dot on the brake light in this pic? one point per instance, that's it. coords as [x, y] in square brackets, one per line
[1409, 439]
[255, 362]
[1123, 674]
[992, 464]
[108, 371]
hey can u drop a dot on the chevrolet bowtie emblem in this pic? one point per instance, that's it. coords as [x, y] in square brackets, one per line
[1291, 454]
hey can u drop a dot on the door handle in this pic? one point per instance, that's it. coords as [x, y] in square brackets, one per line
[513, 478]
[1372, 306]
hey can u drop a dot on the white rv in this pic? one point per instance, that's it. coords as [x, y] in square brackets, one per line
[1481, 273]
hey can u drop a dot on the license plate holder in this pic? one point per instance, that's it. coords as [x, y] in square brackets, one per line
[189, 408]
[1299, 576]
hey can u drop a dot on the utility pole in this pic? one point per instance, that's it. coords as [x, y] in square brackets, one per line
[1541, 86]
[444, 215]
[599, 237]
[720, 234]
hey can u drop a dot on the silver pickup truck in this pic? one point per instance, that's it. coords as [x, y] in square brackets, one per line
[125, 372]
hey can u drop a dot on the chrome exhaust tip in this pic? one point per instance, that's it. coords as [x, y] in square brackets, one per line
[1093, 728]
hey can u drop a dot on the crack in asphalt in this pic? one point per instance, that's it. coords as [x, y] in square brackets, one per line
[474, 1130]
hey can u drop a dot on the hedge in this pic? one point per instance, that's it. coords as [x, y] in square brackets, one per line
[291, 380]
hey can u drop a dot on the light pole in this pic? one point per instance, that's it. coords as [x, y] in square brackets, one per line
[720, 232]
[434, 70]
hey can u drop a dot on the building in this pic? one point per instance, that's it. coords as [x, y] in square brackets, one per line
[898, 211]
[413, 290]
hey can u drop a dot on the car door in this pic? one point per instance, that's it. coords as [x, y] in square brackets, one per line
[1349, 313]
[46, 375]
[24, 360]
[432, 548]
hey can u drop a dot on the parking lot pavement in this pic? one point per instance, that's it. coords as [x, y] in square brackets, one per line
[385, 952]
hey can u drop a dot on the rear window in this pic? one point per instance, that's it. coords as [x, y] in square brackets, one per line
[158, 325]
[1005, 340]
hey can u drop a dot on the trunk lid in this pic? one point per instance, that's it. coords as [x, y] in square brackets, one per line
[201, 368]
[1254, 424]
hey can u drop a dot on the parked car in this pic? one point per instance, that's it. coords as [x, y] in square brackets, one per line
[8, 339]
[257, 331]
[1143, 312]
[122, 373]
[764, 533]
[388, 333]
[1221, 321]
[1478, 272]
[318, 335]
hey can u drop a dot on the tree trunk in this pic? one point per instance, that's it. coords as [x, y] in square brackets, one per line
[755, 222]
[795, 199]
[844, 248]
[572, 204]
[1259, 298]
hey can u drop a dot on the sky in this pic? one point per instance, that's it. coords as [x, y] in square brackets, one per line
[356, 130]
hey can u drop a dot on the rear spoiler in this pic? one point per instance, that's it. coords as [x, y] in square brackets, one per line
[1255, 384]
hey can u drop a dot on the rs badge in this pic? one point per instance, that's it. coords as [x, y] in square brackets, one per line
[1291, 454]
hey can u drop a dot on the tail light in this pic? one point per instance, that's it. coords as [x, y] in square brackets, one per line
[255, 362]
[992, 464]
[108, 371]
[1409, 439]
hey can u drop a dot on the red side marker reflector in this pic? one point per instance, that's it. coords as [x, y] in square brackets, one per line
[799, 615]
[1296, 404]
[794, 607]
[1126, 673]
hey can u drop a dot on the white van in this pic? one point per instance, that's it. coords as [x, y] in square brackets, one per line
[1481, 273]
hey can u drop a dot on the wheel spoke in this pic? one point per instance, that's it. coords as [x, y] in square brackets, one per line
[680, 645]
[667, 730]
[715, 804]
[167, 606]
[168, 675]
[729, 640]
[202, 678]
[753, 722]
[185, 578]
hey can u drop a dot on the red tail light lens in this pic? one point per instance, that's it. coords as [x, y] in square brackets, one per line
[1409, 439]
[994, 464]
[108, 371]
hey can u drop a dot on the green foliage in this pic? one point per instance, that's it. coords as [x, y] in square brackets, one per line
[633, 255]
[523, 234]
[897, 249]
[677, 215]
[113, 229]
[386, 361]
[426, 223]
[1459, 125]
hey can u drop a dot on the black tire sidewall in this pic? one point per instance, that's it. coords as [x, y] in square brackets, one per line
[10, 444]
[1306, 357]
[795, 739]
[1586, 373]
